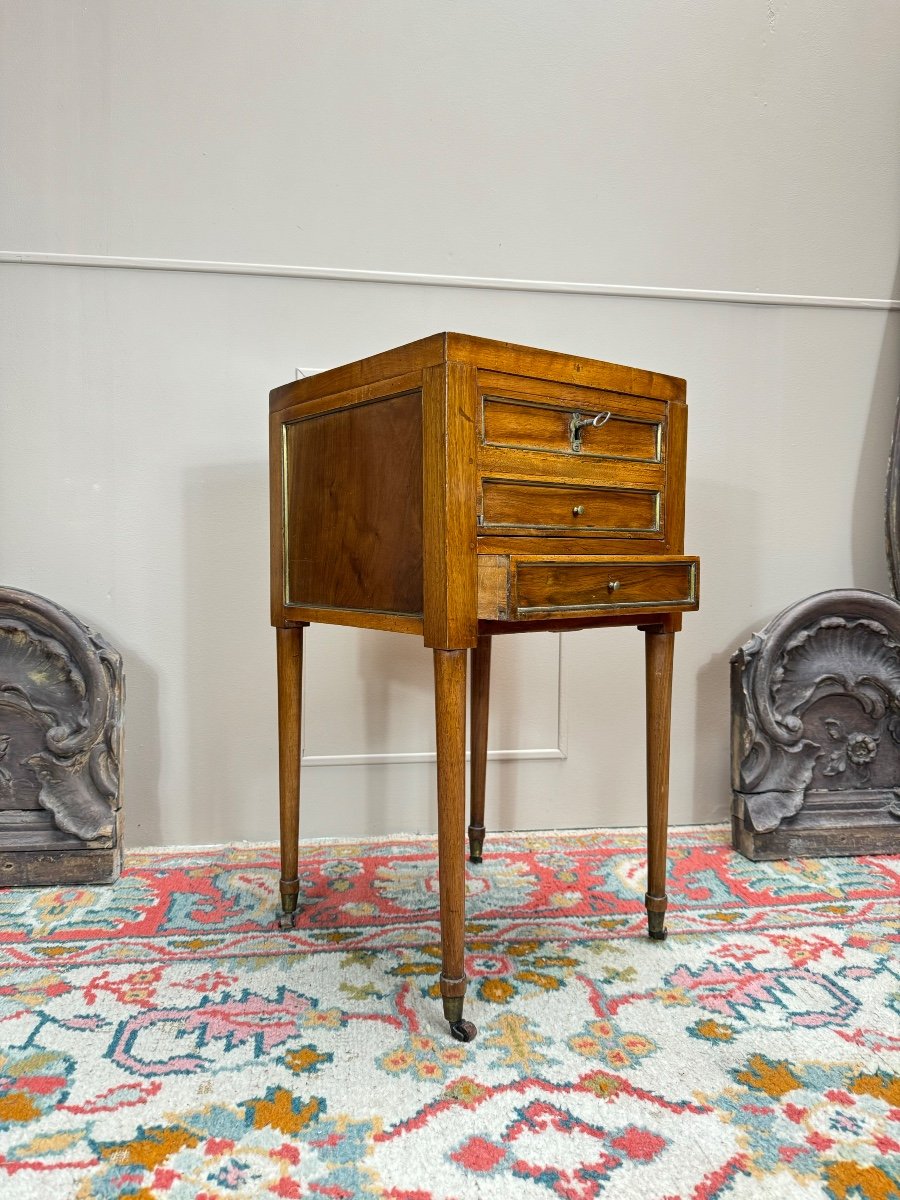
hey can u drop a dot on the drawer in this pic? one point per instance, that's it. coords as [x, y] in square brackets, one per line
[601, 426]
[523, 587]
[516, 506]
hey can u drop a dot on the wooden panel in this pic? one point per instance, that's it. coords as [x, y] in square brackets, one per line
[551, 428]
[569, 510]
[603, 584]
[353, 536]
[449, 400]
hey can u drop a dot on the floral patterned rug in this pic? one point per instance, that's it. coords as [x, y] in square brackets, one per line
[161, 1038]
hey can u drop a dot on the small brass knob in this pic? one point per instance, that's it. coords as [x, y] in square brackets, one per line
[613, 585]
[578, 510]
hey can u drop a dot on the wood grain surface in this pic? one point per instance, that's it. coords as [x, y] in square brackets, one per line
[289, 646]
[531, 426]
[451, 564]
[534, 505]
[540, 586]
[660, 645]
[450, 722]
[353, 536]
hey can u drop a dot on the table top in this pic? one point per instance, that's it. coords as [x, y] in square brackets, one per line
[484, 354]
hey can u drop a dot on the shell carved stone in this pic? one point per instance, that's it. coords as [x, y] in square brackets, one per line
[816, 711]
[61, 713]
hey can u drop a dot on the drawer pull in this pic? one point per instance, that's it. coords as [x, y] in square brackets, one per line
[613, 585]
[579, 422]
[578, 510]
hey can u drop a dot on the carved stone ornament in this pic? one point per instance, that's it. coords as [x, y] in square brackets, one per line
[61, 701]
[816, 730]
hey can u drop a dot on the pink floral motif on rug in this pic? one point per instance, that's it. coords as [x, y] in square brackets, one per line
[162, 1038]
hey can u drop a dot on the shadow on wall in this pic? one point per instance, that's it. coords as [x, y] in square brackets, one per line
[713, 793]
[383, 672]
[737, 508]
[867, 518]
[395, 675]
[229, 655]
[143, 818]
[866, 521]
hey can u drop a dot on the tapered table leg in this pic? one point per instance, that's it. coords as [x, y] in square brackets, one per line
[290, 670]
[660, 644]
[480, 696]
[450, 719]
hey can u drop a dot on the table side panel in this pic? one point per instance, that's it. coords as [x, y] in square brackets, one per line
[354, 508]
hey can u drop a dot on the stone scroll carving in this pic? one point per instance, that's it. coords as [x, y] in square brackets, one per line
[816, 728]
[61, 708]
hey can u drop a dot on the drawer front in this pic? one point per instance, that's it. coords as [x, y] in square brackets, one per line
[615, 428]
[517, 506]
[543, 587]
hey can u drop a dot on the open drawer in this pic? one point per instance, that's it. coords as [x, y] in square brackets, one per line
[522, 587]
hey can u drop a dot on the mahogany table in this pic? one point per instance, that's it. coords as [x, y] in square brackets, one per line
[456, 488]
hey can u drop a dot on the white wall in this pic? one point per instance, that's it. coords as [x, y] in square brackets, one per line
[746, 146]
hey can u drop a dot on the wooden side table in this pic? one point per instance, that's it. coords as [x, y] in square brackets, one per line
[456, 488]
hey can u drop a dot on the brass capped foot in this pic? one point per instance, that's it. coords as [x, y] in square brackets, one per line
[288, 912]
[476, 843]
[463, 1031]
[290, 889]
[656, 916]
